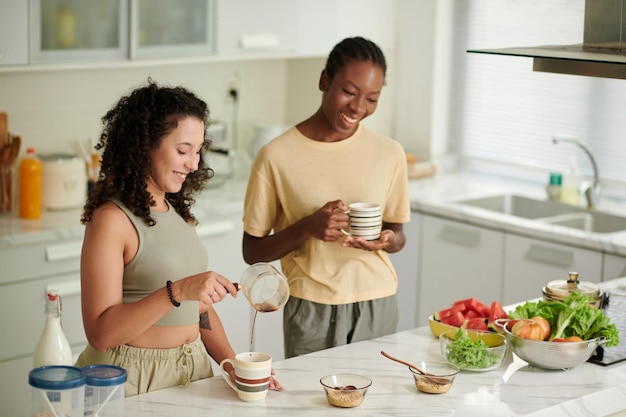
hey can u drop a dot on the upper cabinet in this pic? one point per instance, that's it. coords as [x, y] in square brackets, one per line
[165, 28]
[123, 31]
[13, 32]
[78, 30]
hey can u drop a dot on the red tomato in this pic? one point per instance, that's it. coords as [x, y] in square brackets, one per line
[573, 339]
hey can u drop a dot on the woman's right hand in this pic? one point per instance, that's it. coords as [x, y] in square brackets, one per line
[207, 287]
[326, 223]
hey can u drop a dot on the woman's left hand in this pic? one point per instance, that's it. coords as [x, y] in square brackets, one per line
[274, 384]
[386, 238]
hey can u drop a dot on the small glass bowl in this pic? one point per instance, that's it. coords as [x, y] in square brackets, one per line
[345, 390]
[443, 374]
[483, 359]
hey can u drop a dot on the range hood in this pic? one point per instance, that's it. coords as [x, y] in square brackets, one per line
[602, 53]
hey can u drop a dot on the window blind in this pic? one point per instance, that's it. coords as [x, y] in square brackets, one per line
[502, 110]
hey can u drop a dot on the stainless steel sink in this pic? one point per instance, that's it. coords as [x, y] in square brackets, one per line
[520, 206]
[593, 221]
[552, 212]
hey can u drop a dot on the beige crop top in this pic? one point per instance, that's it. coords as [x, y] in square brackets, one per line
[169, 250]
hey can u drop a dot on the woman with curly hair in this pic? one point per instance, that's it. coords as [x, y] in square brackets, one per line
[147, 297]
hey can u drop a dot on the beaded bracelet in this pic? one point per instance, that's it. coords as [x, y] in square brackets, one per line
[168, 284]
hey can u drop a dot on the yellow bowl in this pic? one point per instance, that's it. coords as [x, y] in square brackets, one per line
[490, 338]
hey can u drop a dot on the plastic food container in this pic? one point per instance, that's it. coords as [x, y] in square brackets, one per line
[104, 390]
[57, 391]
[558, 290]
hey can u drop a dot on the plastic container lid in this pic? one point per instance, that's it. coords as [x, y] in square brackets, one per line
[560, 289]
[104, 375]
[56, 377]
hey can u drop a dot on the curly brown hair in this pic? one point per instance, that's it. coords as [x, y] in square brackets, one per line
[132, 128]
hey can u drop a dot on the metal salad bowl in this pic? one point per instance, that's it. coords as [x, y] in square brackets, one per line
[551, 355]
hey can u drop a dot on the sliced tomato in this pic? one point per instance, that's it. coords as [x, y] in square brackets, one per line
[447, 312]
[456, 320]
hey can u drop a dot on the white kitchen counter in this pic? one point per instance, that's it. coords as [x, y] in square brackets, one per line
[212, 205]
[439, 196]
[515, 389]
[436, 195]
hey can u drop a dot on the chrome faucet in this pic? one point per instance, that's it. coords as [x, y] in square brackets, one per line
[591, 191]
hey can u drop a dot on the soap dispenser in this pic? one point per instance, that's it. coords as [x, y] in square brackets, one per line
[570, 185]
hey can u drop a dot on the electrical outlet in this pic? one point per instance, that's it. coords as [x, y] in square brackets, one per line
[233, 85]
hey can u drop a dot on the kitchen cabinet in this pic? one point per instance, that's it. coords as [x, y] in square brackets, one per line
[457, 261]
[163, 28]
[302, 27]
[76, 30]
[529, 264]
[14, 32]
[406, 266]
[613, 267]
[116, 30]
[121, 31]
[28, 272]
[223, 242]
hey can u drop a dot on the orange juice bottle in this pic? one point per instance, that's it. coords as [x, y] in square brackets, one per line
[30, 186]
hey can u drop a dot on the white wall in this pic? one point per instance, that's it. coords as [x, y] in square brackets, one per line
[51, 108]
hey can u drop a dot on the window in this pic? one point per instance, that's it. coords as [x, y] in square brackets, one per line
[501, 110]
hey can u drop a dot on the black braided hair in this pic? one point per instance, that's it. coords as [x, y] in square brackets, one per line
[355, 49]
[132, 128]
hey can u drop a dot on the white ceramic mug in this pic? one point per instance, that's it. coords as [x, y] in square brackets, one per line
[365, 220]
[252, 375]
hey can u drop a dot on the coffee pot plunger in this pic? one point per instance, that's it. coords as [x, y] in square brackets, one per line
[264, 286]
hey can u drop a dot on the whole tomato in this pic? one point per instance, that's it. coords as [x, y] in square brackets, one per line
[573, 339]
[528, 329]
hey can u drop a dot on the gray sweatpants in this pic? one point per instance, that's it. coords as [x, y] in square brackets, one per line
[309, 326]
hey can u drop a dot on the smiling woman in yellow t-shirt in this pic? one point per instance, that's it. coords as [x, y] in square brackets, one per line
[343, 289]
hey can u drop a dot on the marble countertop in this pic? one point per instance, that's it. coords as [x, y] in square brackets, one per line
[438, 195]
[212, 207]
[515, 389]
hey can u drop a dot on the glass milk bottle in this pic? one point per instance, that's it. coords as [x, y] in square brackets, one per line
[53, 347]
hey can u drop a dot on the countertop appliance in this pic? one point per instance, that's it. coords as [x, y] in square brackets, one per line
[64, 181]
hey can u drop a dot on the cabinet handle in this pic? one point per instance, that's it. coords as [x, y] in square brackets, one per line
[64, 251]
[463, 237]
[68, 288]
[550, 256]
[214, 228]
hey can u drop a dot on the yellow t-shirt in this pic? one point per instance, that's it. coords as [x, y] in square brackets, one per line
[293, 176]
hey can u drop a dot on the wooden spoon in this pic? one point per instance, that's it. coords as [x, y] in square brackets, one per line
[4, 128]
[428, 375]
[15, 149]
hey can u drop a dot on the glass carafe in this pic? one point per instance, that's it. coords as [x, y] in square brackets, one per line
[265, 287]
